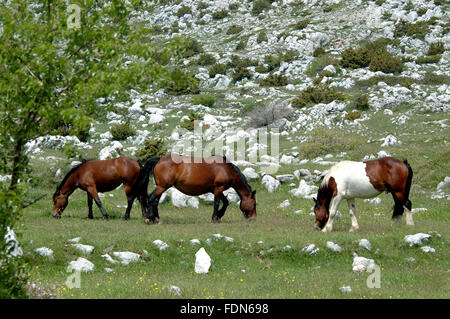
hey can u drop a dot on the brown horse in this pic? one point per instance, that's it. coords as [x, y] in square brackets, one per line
[196, 176]
[349, 180]
[102, 176]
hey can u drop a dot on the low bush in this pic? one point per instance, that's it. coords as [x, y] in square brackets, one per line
[241, 73]
[262, 36]
[204, 99]
[300, 25]
[416, 30]
[261, 116]
[361, 102]
[242, 44]
[428, 59]
[274, 80]
[355, 58]
[436, 48]
[385, 62]
[190, 47]
[318, 52]
[320, 62]
[150, 148]
[180, 83]
[353, 115]
[317, 94]
[260, 5]
[189, 123]
[217, 68]
[121, 131]
[206, 59]
[234, 29]
[183, 11]
[218, 15]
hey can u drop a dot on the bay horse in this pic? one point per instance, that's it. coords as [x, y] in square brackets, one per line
[197, 176]
[95, 176]
[349, 180]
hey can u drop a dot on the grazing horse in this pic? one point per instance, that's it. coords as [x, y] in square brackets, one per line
[349, 180]
[95, 176]
[195, 176]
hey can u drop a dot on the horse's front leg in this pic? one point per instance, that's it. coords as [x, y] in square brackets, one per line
[217, 214]
[334, 207]
[152, 214]
[93, 192]
[130, 200]
[352, 211]
[90, 202]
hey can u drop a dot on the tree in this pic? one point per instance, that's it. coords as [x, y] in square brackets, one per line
[57, 61]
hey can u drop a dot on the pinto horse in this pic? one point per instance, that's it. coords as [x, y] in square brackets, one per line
[196, 176]
[349, 180]
[95, 176]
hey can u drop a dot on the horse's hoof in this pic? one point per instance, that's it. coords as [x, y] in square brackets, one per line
[105, 217]
[125, 218]
[353, 230]
[89, 218]
[216, 221]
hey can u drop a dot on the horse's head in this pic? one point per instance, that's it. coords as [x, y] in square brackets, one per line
[322, 214]
[248, 206]
[60, 202]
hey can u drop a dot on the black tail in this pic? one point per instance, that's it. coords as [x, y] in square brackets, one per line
[141, 185]
[408, 185]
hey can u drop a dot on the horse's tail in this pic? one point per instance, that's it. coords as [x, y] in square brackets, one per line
[408, 204]
[141, 184]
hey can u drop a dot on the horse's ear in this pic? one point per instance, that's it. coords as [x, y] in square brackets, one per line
[253, 194]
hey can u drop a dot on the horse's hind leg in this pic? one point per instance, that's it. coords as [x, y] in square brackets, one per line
[352, 211]
[224, 200]
[90, 202]
[153, 201]
[218, 213]
[93, 192]
[130, 200]
[402, 204]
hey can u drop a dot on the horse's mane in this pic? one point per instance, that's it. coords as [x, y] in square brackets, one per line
[69, 173]
[241, 176]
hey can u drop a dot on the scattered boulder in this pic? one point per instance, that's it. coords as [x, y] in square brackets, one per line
[417, 239]
[334, 247]
[44, 252]
[160, 244]
[126, 257]
[271, 183]
[364, 243]
[202, 261]
[361, 264]
[311, 249]
[85, 249]
[81, 264]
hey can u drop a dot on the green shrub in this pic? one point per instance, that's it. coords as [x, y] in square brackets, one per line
[319, 63]
[428, 59]
[262, 36]
[353, 115]
[204, 99]
[234, 29]
[180, 83]
[331, 7]
[259, 6]
[380, 2]
[416, 30]
[217, 68]
[318, 52]
[183, 11]
[151, 147]
[202, 6]
[436, 48]
[206, 59]
[189, 123]
[240, 73]
[233, 6]
[242, 44]
[274, 80]
[273, 62]
[317, 94]
[190, 47]
[218, 15]
[236, 62]
[355, 58]
[361, 102]
[384, 61]
[300, 25]
[261, 69]
[120, 132]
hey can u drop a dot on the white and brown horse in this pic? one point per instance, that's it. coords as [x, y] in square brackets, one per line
[349, 180]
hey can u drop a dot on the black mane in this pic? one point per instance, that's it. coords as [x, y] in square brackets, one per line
[241, 176]
[72, 170]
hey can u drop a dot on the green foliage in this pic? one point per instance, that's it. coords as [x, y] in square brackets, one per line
[192, 120]
[233, 6]
[202, 5]
[300, 25]
[151, 147]
[361, 102]
[180, 83]
[13, 276]
[416, 30]
[428, 59]
[241, 73]
[317, 94]
[183, 11]
[319, 63]
[204, 99]
[242, 44]
[318, 52]
[236, 62]
[274, 80]
[218, 15]
[260, 5]
[355, 58]
[217, 68]
[380, 2]
[190, 47]
[436, 48]
[262, 36]
[353, 115]
[384, 61]
[122, 131]
[430, 78]
[206, 59]
[234, 29]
